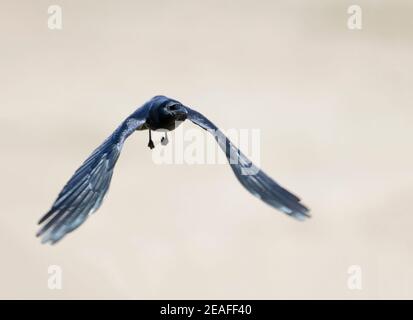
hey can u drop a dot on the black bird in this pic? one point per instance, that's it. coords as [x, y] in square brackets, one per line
[84, 192]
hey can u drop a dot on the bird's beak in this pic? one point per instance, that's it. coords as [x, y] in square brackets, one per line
[181, 114]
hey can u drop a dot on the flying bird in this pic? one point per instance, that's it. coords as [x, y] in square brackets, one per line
[84, 192]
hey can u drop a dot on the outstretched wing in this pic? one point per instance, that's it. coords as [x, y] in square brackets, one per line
[251, 177]
[84, 192]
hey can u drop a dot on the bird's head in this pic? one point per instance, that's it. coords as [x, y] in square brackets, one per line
[166, 113]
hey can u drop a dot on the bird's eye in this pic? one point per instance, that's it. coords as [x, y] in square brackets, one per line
[174, 107]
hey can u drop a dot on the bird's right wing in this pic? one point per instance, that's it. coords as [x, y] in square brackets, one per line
[251, 177]
[84, 192]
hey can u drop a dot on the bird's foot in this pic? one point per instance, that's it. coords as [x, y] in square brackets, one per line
[164, 141]
[151, 144]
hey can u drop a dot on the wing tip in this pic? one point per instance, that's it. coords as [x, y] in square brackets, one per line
[45, 217]
[301, 215]
[299, 211]
[48, 237]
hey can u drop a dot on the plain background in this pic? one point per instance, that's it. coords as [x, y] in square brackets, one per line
[334, 107]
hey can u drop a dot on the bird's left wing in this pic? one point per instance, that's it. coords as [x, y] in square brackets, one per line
[251, 177]
[84, 192]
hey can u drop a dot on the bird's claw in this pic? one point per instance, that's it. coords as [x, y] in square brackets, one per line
[164, 141]
[151, 144]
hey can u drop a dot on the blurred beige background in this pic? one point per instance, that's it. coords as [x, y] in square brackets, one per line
[335, 111]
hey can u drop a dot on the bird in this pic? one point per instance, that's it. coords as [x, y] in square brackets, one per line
[84, 193]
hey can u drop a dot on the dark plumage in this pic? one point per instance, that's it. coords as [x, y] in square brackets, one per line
[84, 192]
